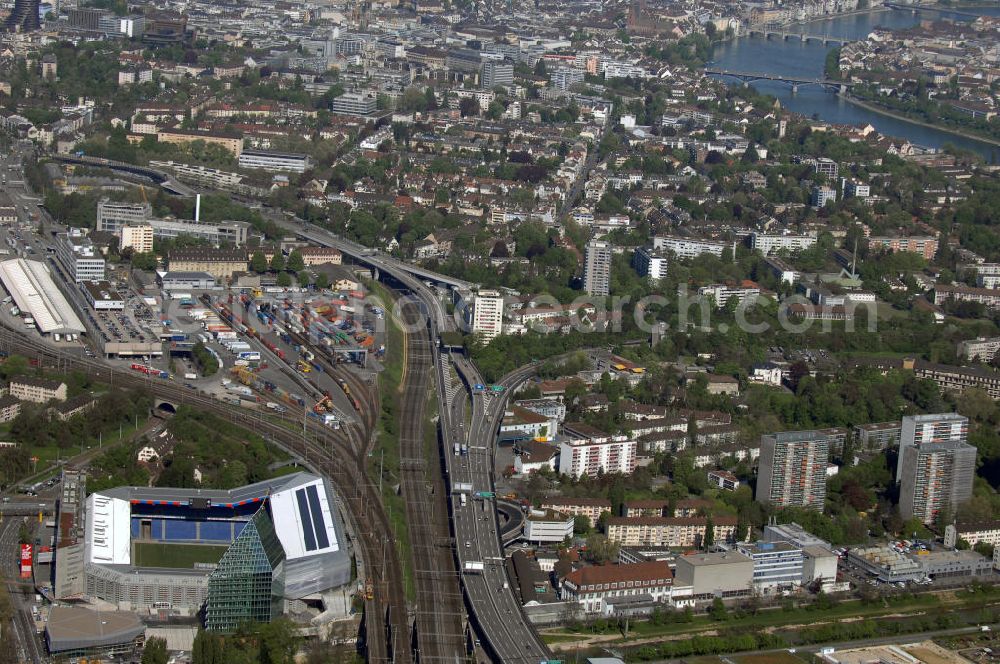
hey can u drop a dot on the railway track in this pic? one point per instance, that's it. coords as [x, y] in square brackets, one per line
[439, 626]
[336, 456]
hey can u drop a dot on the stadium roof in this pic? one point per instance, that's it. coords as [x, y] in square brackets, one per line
[300, 505]
[74, 628]
[31, 286]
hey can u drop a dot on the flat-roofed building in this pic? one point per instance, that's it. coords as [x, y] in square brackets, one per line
[30, 284]
[878, 435]
[355, 103]
[982, 348]
[73, 631]
[79, 257]
[231, 143]
[589, 451]
[102, 296]
[112, 216]
[792, 469]
[670, 530]
[777, 566]
[274, 161]
[547, 526]
[592, 508]
[724, 574]
[138, 238]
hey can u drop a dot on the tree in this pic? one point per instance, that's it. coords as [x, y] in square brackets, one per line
[295, 261]
[258, 262]
[277, 262]
[581, 524]
[468, 107]
[709, 533]
[155, 651]
[540, 68]
[303, 279]
[284, 279]
[718, 610]
[279, 642]
[322, 280]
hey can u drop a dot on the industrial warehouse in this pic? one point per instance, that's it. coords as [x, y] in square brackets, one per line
[37, 297]
[240, 554]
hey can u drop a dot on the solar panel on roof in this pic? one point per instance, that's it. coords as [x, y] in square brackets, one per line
[317, 517]
[307, 527]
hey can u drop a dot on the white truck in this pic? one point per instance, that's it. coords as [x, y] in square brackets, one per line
[190, 376]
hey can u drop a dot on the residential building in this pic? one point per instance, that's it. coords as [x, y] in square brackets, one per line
[220, 263]
[981, 348]
[487, 314]
[589, 451]
[593, 586]
[112, 216]
[933, 428]
[597, 268]
[230, 143]
[827, 167]
[675, 531]
[726, 574]
[722, 293]
[355, 103]
[320, 256]
[767, 243]
[531, 456]
[855, 189]
[37, 390]
[926, 246]
[274, 161]
[686, 247]
[520, 424]
[553, 409]
[989, 297]
[592, 508]
[10, 408]
[547, 526]
[723, 479]
[777, 566]
[936, 479]
[987, 532]
[138, 238]
[792, 469]
[650, 263]
[823, 195]
[878, 435]
[79, 257]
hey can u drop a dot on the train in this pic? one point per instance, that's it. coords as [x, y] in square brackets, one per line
[150, 371]
[347, 391]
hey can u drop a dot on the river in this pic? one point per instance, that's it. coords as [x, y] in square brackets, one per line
[795, 58]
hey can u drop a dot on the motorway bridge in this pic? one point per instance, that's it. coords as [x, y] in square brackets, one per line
[750, 76]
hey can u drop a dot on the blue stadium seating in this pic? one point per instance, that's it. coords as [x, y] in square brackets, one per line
[180, 530]
[221, 531]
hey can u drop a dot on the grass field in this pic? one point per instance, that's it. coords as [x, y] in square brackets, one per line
[177, 556]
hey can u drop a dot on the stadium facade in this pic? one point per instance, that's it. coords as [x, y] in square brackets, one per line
[239, 554]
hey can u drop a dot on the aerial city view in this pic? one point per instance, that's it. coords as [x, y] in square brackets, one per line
[500, 332]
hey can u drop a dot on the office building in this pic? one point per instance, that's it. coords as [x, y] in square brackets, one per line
[112, 216]
[933, 428]
[777, 566]
[355, 103]
[138, 238]
[487, 314]
[827, 167]
[497, 73]
[854, 189]
[76, 632]
[563, 78]
[650, 263]
[79, 257]
[102, 296]
[24, 17]
[792, 469]
[223, 232]
[597, 268]
[274, 161]
[936, 479]
[726, 574]
[590, 451]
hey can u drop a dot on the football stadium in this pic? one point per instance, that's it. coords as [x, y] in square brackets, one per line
[239, 554]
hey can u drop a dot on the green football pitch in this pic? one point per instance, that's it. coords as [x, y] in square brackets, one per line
[177, 556]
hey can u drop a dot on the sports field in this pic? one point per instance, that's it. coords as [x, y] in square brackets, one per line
[177, 556]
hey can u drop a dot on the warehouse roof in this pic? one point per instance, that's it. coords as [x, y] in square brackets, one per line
[31, 286]
[74, 628]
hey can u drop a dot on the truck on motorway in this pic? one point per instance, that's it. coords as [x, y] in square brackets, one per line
[465, 449]
[457, 448]
[474, 567]
[461, 487]
[190, 376]
[464, 499]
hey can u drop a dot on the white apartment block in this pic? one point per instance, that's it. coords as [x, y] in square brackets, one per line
[274, 161]
[37, 390]
[597, 268]
[138, 238]
[722, 293]
[669, 531]
[982, 348]
[650, 263]
[487, 314]
[685, 247]
[767, 243]
[590, 451]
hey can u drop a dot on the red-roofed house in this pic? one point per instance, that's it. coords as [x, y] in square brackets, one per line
[592, 587]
